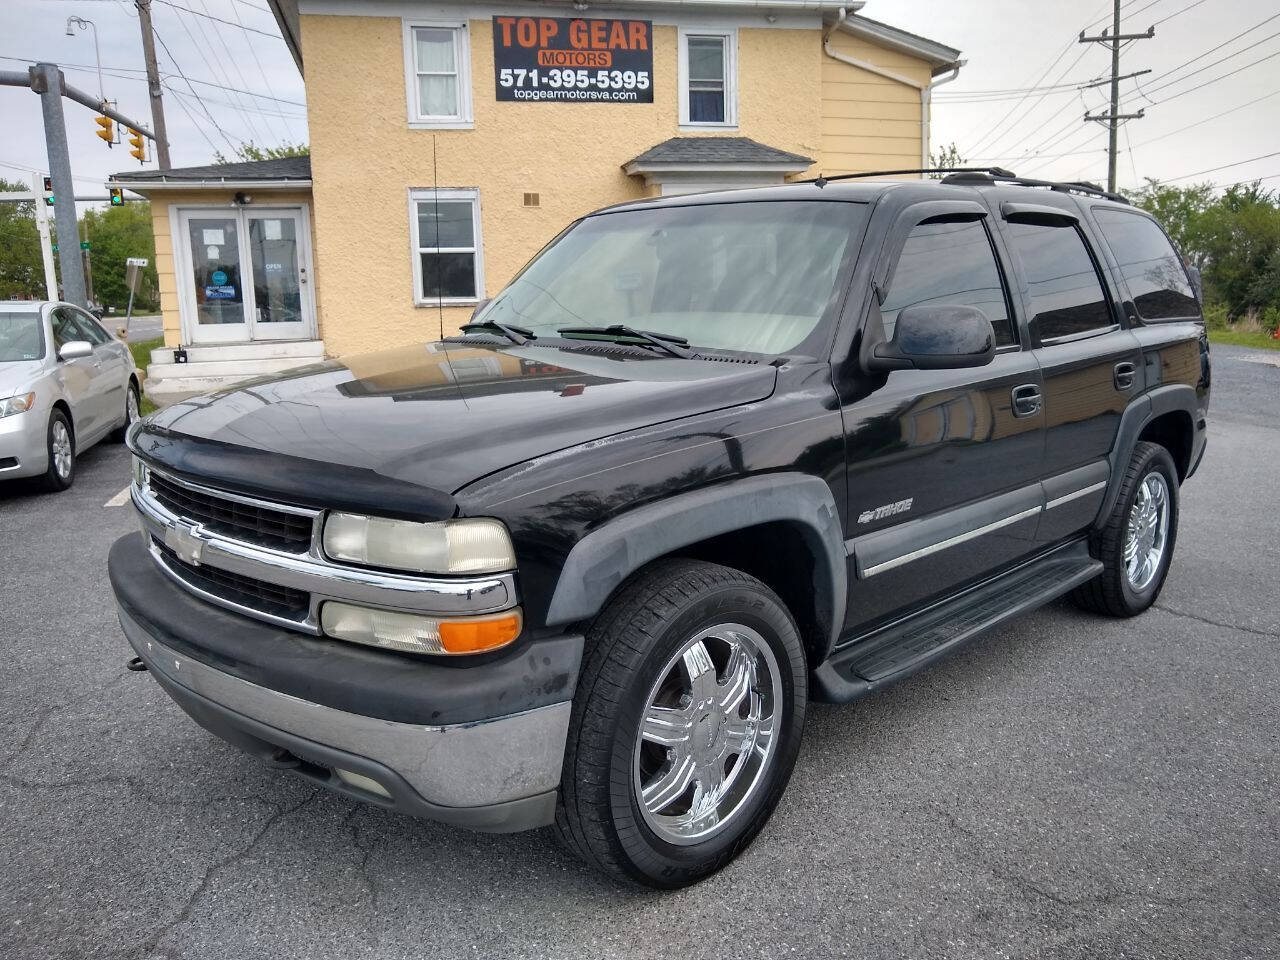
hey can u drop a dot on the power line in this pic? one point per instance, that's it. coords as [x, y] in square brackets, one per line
[246, 119]
[1176, 13]
[206, 110]
[1215, 62]
[1214, 117]
[197, 13]
[180, 99]
[1199, 86]
[248, 40]
[1225, 166]
[236, 65]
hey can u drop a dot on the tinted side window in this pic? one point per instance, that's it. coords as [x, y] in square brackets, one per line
[1066, 292]
[949, 263]
[1151, 268]
[62, 321]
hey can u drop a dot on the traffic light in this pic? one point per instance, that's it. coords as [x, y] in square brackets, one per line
[117, 197]
[48, 191]
[105, 129]
[139, 147]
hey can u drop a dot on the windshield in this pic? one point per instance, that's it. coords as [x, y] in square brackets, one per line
[752, 276]
[21, 337]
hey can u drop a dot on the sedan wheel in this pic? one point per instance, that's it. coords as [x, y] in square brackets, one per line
[62, 453]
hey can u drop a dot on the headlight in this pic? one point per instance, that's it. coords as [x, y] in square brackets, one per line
[139, 473]
[19, 404]
[415, 633]
[480, 545]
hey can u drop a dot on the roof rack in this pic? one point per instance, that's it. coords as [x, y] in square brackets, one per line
[823, 181]
[1061, 186]
[961, 175]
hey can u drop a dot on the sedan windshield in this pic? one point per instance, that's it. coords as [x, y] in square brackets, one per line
[750, 276]
[21, 337]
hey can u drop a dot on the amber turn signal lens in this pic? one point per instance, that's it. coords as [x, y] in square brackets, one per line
[476, 635]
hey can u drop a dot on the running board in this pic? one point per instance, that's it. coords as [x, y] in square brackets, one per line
[902, 648]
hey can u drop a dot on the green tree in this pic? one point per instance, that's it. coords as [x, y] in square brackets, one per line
[1180, 210]
[1240, 234]
[21, 265]
[116, 233]
[251, 151]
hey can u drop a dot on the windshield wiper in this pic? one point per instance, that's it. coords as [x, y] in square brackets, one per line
[517, 335]
[676, 346]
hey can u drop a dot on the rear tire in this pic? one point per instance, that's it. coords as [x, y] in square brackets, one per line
[61, 445]
[1136, 544]
[686, 724]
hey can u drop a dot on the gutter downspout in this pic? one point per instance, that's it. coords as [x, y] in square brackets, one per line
[925, 99]
[926, 109]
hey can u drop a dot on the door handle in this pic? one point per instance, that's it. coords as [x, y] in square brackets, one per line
[1026, 400]
[1124, 375]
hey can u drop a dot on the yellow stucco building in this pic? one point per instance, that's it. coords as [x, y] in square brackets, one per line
[451, 141]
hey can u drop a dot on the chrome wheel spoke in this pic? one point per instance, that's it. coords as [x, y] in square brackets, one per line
[670, 786]
[740, 735]
[701, 672]
[737, 680]
[666, 725]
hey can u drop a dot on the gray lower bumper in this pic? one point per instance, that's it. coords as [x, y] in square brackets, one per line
[498, 775]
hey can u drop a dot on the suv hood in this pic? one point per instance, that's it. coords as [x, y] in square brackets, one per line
[431, 418]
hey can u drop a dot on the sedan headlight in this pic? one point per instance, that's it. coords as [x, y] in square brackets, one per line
[472, 545]
[19, 404]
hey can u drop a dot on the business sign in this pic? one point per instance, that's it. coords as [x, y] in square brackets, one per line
[573, 60]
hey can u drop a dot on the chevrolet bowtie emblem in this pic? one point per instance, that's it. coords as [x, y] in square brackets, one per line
[186, 542]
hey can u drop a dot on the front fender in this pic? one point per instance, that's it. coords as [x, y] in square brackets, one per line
[601, 560]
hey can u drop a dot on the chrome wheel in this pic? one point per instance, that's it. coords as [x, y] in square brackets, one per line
[1147, 531]
[130, 406]
[60, 449]
[708, 732]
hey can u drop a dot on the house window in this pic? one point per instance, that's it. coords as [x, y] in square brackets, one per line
[708, 78]
[447, 261]
[437, 74]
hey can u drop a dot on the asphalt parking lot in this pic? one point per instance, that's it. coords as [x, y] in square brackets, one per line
[1069, 786]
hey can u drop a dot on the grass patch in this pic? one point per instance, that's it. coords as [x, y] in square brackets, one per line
[1242, 338]
[141, 357]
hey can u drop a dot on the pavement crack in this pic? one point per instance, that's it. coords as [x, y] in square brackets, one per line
[213, 870]
[1216, 623]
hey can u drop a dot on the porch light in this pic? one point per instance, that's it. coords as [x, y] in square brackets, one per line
[471, 545]
[415, 633]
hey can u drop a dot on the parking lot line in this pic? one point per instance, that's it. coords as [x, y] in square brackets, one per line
[119, 500]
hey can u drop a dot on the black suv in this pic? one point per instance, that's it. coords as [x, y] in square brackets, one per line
[704, 460]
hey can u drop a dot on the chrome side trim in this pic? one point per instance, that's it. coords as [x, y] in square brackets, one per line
[950, 542]
[488, 594]
[456, 765]
[1076, 494]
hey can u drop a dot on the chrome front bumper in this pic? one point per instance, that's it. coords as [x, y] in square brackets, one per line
[499, 774]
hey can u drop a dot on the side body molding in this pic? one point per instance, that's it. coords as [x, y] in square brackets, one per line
[1154, 403]
[609, 554]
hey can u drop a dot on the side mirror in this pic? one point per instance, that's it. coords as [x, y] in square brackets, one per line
[480, 305]
[75, 349]
[937, 338]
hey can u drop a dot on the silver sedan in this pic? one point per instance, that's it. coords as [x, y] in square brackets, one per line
[65, 383]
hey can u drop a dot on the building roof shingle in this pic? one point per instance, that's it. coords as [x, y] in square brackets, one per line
[282, 168]
[716, 150]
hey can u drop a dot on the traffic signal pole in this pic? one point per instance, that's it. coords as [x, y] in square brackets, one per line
[46, 80]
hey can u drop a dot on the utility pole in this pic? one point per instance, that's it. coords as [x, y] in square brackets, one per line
[153, 83]
[1115, 116]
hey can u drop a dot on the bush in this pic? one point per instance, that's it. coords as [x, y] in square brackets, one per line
[1215, 316]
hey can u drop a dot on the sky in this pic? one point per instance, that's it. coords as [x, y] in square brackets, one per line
[988, 112]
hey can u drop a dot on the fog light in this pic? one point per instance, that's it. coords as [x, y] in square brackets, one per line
[361, 782]
[416, 633]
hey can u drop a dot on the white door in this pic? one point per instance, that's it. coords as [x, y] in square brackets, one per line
[246, 275]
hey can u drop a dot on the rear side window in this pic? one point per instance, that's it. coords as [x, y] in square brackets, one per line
[1157, 282]
[1066, 292]
[948, 263]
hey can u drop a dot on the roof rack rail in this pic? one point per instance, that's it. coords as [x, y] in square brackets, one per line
[1062, 186]
[823, 181]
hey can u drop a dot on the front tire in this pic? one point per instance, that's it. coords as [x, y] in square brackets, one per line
[61, 445]
[685, 725]
[1136, 544]
[131, 412]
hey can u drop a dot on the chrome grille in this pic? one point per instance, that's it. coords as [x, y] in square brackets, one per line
[236, 518]
[256, 595]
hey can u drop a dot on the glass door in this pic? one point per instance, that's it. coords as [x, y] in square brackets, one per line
[247, 276]
[217, 299]
[279, 306]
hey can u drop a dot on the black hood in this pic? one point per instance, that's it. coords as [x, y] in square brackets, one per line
[402, 430]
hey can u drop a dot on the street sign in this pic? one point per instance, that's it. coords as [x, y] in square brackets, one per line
[135, 261]
[84, 244]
